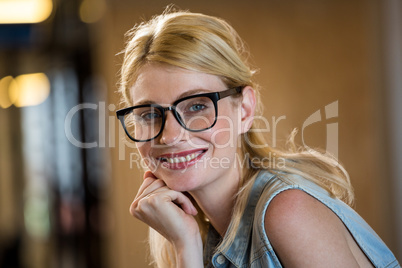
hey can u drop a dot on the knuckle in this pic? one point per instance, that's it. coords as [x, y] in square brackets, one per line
[153, 200]
[136, 213]
[139, 207]
[136, 209]
[133, 210]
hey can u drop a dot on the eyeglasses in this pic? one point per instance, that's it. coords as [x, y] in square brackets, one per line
[194, 113]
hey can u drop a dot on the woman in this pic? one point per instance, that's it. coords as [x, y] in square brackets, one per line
[215, 194]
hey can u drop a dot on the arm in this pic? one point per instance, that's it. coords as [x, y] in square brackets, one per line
[305, 233]
[171, 214]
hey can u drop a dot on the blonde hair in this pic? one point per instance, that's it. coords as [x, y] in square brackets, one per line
[210, 45]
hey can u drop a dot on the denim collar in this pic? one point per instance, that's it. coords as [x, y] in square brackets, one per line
[238, 252]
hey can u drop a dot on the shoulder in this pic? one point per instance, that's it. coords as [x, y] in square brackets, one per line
[294, 204]
[296, 210]
[301, 230]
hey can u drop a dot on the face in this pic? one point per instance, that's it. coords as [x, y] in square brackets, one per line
[189, 161]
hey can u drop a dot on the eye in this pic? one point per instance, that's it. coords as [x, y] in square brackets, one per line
[150, 116]
[196, 107]
[146, 115]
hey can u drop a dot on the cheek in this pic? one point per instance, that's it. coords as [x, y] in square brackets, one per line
[144, 151]
[143, 148]
[225, 132]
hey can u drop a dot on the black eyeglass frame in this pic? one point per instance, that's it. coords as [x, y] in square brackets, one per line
[214, 96]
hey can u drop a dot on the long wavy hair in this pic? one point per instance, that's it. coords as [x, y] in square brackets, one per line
[210, 45]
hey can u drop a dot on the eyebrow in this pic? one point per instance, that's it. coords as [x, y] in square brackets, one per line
[183, 95]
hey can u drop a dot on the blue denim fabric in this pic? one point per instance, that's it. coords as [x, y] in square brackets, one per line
[252, 248]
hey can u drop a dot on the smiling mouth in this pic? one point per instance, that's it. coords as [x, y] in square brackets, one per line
[181, 160]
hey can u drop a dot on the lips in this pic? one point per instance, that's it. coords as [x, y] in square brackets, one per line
[181, 160]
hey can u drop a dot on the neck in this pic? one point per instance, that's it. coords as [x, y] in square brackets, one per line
[217, 200]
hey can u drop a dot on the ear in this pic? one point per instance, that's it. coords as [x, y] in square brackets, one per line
[248, 105]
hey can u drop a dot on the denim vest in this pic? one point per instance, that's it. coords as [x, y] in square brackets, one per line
[252, 248]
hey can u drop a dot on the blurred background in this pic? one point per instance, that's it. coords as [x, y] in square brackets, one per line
[67, 172]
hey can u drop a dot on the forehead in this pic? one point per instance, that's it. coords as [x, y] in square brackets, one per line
[164, 84]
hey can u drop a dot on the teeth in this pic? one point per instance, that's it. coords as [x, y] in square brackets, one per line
[181, 159]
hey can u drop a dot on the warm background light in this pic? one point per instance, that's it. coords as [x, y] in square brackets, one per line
[5, 100]
[29, 89]
[25, 11]
[92, 10]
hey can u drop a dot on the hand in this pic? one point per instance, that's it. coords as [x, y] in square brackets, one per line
[168, 212]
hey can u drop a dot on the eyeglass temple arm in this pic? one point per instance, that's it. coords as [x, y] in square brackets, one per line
[229, 92]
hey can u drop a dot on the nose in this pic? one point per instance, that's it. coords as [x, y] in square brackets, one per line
[172, 132]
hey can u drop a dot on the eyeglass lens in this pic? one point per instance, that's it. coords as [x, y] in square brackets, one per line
[195, 114]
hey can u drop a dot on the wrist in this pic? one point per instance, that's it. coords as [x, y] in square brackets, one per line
[189, 253]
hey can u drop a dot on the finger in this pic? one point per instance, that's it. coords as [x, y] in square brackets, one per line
[148, 174]
[185, 203]
[177, 198]
[145, 184]
[149, 178]
[147, 188]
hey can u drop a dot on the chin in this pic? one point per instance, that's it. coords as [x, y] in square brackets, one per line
[182, 181]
